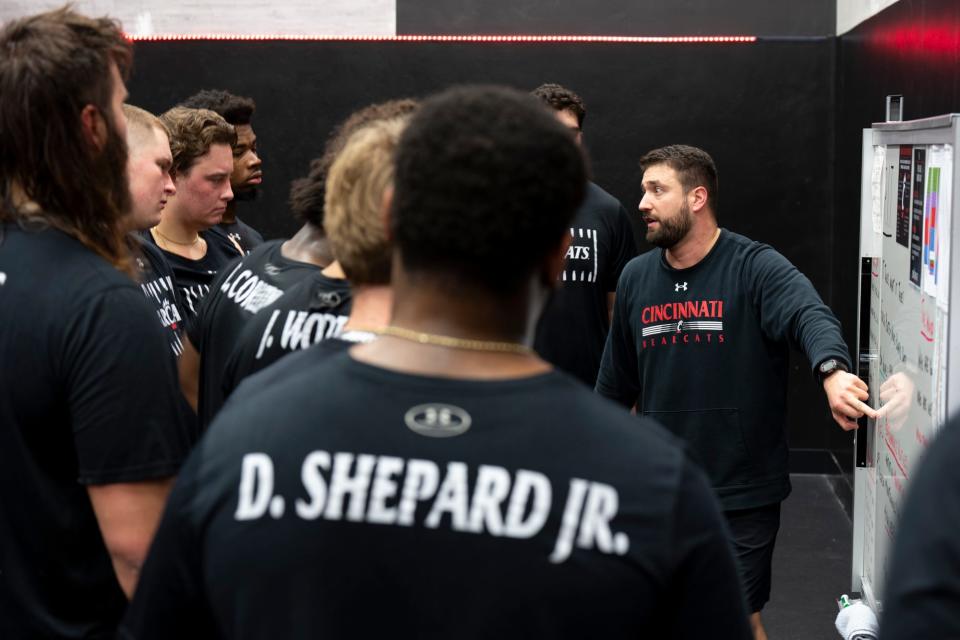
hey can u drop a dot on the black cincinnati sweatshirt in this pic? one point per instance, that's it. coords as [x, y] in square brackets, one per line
[705, 351]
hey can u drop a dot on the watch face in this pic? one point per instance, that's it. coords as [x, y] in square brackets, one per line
[828, 366]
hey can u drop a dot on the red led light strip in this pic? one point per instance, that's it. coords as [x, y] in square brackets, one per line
[440, 38]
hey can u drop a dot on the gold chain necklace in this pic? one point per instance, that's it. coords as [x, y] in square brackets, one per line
[171, 241]
[454, 343]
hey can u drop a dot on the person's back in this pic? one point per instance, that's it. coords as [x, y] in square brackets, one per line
[311, 311]
[90, 426]
[236, 295]
[56, 439]
[545, 512]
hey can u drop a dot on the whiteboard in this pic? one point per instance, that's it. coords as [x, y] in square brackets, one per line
[909, 236]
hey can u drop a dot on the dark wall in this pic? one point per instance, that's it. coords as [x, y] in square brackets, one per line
[618, 17]
[764, 110]
[911, 48]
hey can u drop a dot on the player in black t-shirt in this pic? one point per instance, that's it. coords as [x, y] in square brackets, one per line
[148, 169]
[443, 480]
[90, 428]
[201, 143]
[355, 189]
[313, 310]
[236, 295]
[573, 327]
[247, 165]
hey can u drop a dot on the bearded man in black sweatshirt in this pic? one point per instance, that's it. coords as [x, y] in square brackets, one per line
[700, 341]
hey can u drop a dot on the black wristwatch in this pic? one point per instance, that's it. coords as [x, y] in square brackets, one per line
[828, 367]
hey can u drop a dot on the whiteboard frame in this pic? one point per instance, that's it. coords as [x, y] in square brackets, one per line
[928, 131]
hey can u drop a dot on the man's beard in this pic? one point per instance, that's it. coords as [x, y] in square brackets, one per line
[246, 194]
[672, 230]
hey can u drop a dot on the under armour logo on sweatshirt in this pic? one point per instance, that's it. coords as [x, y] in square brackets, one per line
[680, 287]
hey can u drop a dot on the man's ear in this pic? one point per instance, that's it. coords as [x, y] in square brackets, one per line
[697, 198]
[94, 127]
[554, 264]
[385, 212]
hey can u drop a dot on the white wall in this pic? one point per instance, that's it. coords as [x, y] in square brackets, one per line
[850, 13]
[291, 17]
[246, 17]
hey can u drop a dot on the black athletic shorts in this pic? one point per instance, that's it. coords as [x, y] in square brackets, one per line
[754, 534]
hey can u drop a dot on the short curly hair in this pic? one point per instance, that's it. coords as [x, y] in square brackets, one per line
[237, 110]
[560, 98]
[307, 193]
[192, 133]
[356, 184]
[487, 183]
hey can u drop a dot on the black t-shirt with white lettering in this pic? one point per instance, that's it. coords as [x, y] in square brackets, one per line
[573, 328]
[87, 397]
[157, 284]
[193, 277]
[352, 501]
[243, 234]
[311, 311]
[237, 293]
[922, 598]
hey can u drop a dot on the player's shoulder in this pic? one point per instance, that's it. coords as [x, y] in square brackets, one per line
[642, 266]
[264, 250]
[279, 394]
[598, 197]
[743, 246]
[224, 242]
[599, 207]
[754, 256]
[257, 259]
[290, 365]
[54, 264]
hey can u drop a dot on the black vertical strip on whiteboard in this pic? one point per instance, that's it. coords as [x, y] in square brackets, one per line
[916, 215]
[863, 353]
[904, 182]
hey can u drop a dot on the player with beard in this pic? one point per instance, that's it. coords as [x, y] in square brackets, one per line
[573, 328]
[201, 144]
[148, 169]
[247, 165]
[355, 189]
[90, 431]
[700, 341]
[443, 479]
